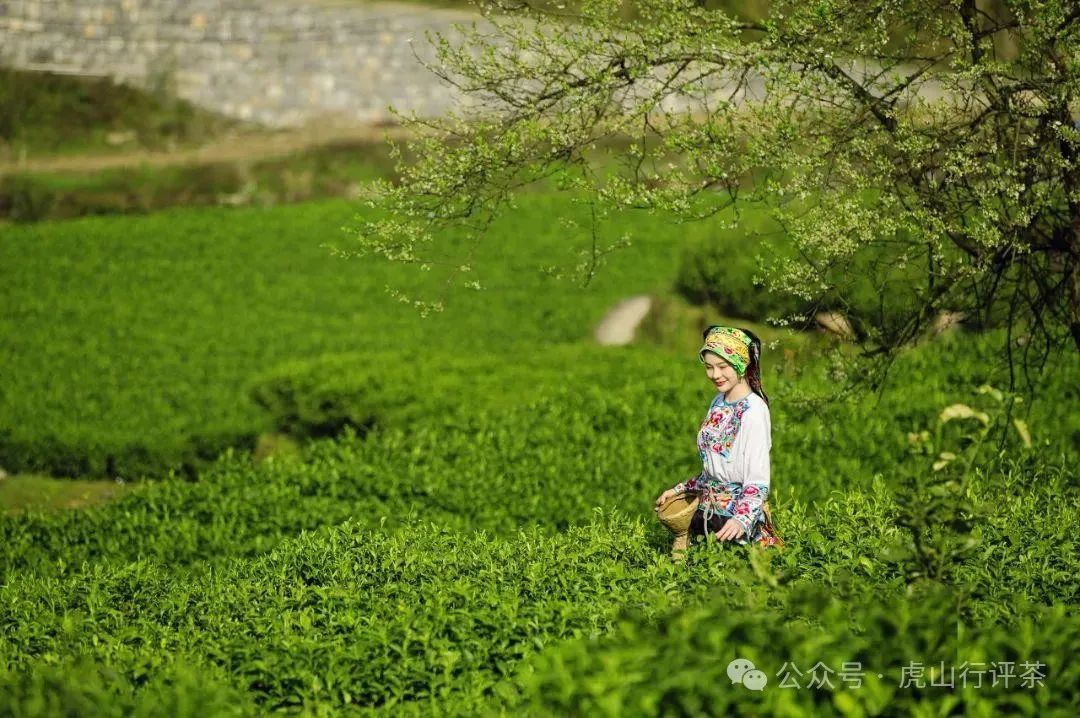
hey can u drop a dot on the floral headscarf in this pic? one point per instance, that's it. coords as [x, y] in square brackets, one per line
[728, 343]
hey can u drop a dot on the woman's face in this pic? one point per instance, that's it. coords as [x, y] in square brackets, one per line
[720, 372]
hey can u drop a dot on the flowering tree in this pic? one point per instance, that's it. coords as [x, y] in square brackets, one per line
[926, 145]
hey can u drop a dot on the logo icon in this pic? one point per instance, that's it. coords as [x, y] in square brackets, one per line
[743, 671]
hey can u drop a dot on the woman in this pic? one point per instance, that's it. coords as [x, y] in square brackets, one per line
[733, 443]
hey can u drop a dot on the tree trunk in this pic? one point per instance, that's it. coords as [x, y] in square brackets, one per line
[1072, 184]
[1074, 277]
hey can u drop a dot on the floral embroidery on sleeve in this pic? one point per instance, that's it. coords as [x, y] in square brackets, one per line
[748, 507]
[693, 484]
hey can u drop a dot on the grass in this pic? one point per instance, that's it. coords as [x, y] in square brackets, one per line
[43, 113]
[337, 168]
[36, 492]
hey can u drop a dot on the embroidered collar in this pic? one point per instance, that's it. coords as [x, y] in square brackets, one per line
[723, 401]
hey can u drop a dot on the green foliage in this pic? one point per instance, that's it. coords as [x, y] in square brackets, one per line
[349, 615]
[438, 563]
[852, 124]
[476, 535]
[27, 197]
[729, 271]
[83, 687]
[841, 643]
[336, 169]
[484, 431]
[135, 340]
[938, 512]
[240, 508]
[320, 397]
[721, 272]
[46, 112]
[398, 610]
[24, 491]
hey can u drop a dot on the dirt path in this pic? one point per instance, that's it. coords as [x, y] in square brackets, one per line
[619, 325]
[236, 147]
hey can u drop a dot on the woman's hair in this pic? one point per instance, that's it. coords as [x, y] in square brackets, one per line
[753, 369]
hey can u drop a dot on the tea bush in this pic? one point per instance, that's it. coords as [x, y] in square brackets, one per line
[471, 546]
[832, 656]
[423, 617]
[467, 528]
[719, 271]
[349, 615]
[81, 687]
[134, 340]
[630, 416]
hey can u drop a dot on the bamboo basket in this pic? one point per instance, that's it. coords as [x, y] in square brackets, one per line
[676, 515]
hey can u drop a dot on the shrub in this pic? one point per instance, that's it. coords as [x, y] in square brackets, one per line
[720, 272]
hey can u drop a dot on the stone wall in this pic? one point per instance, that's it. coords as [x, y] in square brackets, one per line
[280, 62]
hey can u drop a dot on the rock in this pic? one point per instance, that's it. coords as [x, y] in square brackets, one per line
[835, 323]
[618, 326]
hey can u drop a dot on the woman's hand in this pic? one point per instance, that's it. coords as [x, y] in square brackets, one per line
[730, 531]
[662, 500]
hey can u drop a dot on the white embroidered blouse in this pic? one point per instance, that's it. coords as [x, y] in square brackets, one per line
[734, 443]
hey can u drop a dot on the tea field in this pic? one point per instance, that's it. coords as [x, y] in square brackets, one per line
[134, 341]
[466, 528]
